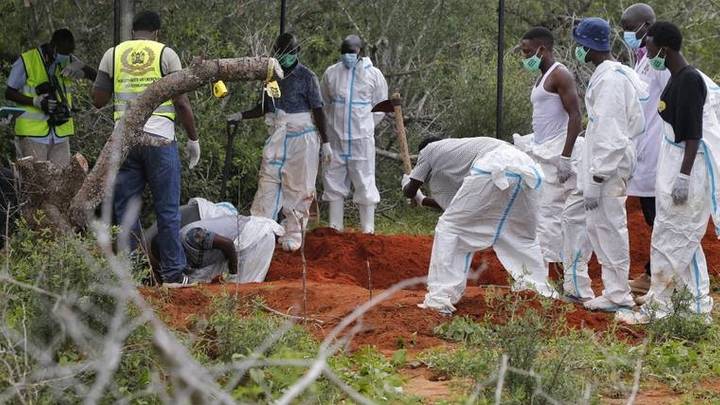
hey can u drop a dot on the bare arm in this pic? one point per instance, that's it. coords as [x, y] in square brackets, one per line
[319, 118]
[412, 188]
[185, 115]
[431, 203]
[228, 248]
[691, 149]
[566, 89]
[100, 97]
[89, 72]
[14, 95]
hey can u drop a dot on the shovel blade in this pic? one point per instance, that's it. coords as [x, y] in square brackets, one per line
[384, 106]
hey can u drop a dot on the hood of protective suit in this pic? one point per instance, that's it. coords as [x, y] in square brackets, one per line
[505, 161]
[612, 66]
[209, 209]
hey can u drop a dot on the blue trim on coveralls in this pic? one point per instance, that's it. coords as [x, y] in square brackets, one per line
[281, 163]
[696, 270]
[506, 212]
[538, 178]
[713, 191]
[467, 262]
[228, 206]
[349, 116]
[574, 273]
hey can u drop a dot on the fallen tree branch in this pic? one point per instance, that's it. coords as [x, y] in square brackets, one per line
[391, 155]
[129, 131]
[293, 317]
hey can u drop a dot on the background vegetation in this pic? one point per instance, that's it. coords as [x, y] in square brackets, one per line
[72, 329]
[440, 54]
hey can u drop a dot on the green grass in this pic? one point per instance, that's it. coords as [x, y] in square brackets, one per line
[680, 353]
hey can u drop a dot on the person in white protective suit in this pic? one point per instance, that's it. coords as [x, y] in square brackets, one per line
[613, 101]
[687, 184]
[488, 190]
[556, 123]
[350, 89]
[635, 22]
[216, 241]
[296, 125]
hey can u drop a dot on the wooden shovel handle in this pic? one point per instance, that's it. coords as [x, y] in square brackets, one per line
[402, 138]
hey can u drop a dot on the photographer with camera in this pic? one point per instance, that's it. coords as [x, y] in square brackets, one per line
[38, 83]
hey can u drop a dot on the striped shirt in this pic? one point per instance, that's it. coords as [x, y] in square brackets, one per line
[444, 164]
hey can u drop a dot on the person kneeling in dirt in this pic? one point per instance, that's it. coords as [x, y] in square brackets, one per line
[242, 246]
[488, 190]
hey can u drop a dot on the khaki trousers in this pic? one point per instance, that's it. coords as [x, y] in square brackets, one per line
[58, 153]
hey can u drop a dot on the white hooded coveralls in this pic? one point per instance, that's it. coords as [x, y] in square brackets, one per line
[288, 171]
[647, 146]
[349, 96]
[254, 240]
[496, 206]
[613, 101]
[676, 254]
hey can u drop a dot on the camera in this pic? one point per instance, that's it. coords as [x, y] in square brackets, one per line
[61, 113]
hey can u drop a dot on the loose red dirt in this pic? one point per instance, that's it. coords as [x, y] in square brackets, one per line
[337, 274]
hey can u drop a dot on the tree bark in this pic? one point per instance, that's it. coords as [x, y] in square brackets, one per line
[75, 196]
[45, 187]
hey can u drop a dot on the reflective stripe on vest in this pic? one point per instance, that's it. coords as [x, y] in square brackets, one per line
[33, 123]
[137, 64]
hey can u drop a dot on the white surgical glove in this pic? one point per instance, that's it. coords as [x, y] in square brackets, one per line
[516, 138]
[591, 195]
[680, 189]
[564, 168]
[405, 180]
[192, 149]
[74, 70]
[37, 100]
[419, 198]
[326, 154]
[234, 118]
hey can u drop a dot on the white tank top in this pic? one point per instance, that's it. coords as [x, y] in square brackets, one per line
[549, 116]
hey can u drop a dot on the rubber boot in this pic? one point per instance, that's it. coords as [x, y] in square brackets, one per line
[367, 218]
[336, 215]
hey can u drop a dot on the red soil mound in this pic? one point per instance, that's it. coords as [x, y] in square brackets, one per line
[343, 258]
[337, 271]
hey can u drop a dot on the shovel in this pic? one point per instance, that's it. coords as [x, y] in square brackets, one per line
[231, 132]
[394, 104]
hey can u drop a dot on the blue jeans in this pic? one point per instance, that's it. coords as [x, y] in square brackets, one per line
[158, 167]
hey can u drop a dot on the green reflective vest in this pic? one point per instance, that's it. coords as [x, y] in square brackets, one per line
[137, 64]
[33, 123]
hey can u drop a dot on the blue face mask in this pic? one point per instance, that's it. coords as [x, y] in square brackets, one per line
[62, 58]
[349, 60]
[631, 40]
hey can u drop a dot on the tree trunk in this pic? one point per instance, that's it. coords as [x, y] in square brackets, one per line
[124, 12]
[49, 189]
[74, 195]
